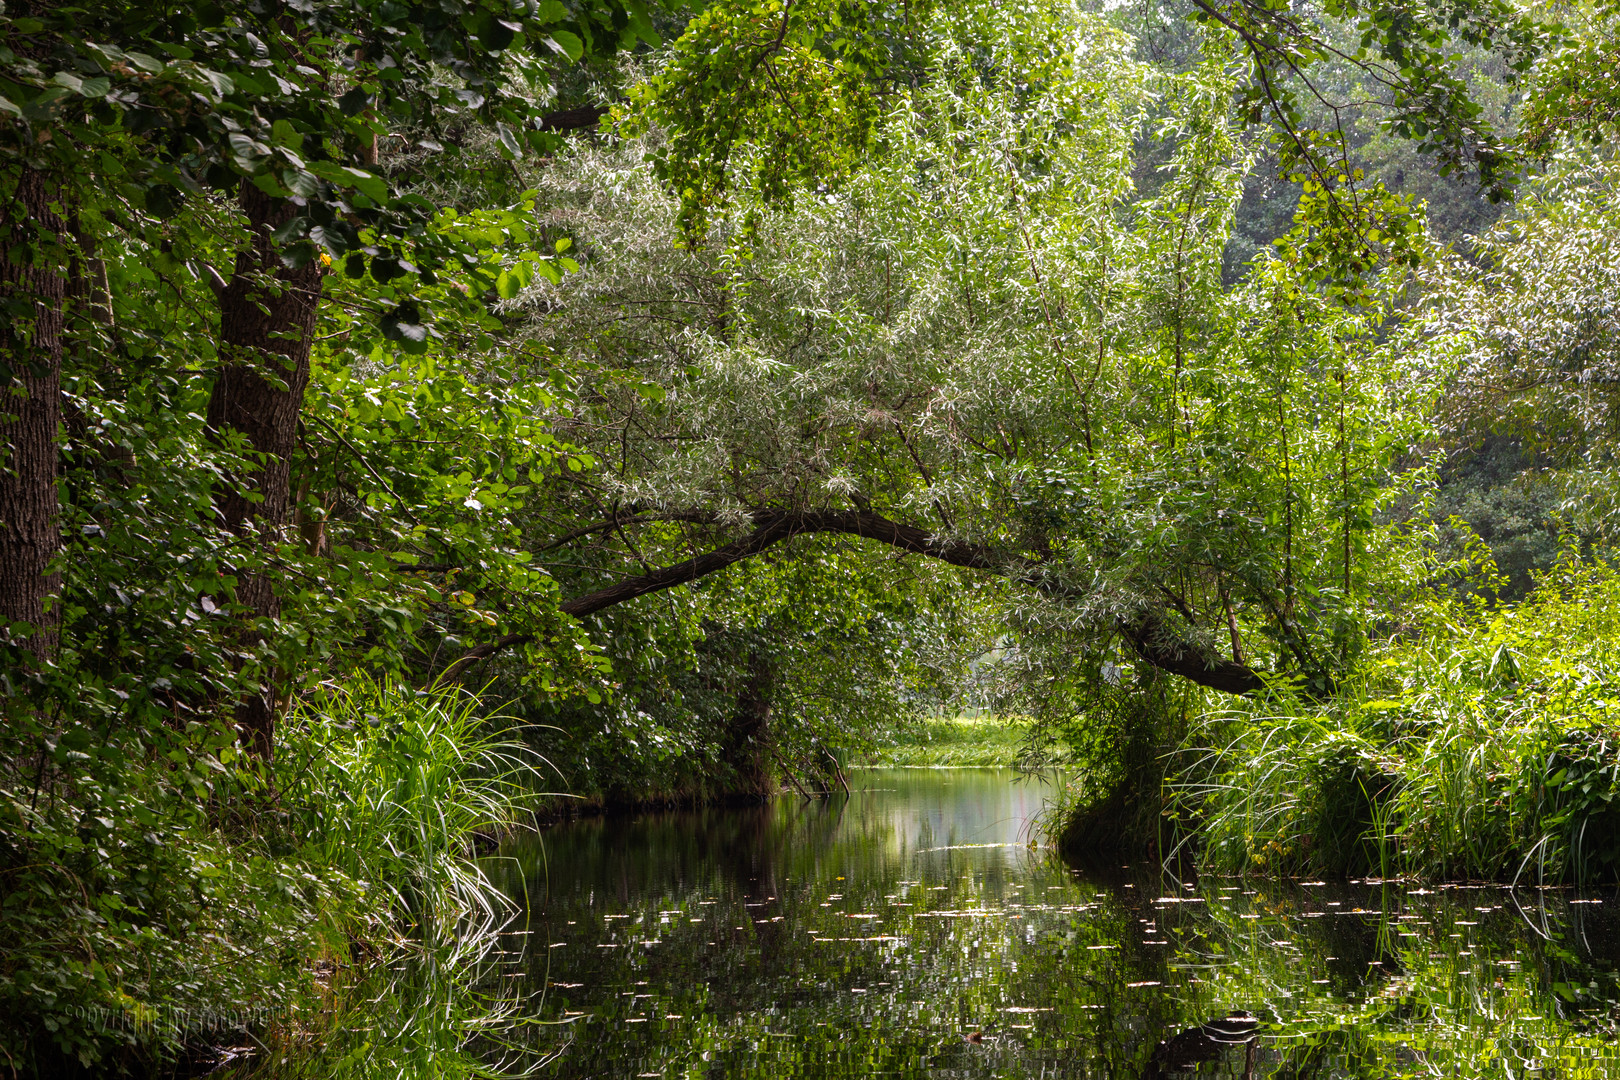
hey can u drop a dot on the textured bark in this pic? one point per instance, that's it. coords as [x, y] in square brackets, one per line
[267, 322]
[1152, 640]
[30, 533]
[1154, 643]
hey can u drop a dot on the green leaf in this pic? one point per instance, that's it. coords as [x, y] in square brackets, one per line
[301, 183]
[509, 143]
[567, 44]
[221, 83]
[295, 227]
[386, 269]
[371, 185]
[355, 101]
[146, 63]
[496, 34]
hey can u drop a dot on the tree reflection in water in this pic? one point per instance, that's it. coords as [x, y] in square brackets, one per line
[908, 930]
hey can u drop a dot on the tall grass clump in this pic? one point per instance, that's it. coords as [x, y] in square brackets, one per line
[161, 896]
[1288, 790]
[1479, 743]
[397, 790]
[395, 787]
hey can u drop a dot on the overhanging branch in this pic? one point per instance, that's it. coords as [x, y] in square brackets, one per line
[1148, 635]
[1177, 656]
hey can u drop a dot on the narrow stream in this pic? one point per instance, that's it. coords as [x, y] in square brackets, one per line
[910, 930]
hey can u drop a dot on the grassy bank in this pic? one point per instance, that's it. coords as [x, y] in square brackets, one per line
[955, 741]
[327, 912]
[1480, 743]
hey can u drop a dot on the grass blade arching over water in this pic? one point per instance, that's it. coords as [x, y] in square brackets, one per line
[397, 789]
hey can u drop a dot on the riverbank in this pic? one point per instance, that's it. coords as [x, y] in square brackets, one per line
[955, 742]
[1480, 744]
[319, 916]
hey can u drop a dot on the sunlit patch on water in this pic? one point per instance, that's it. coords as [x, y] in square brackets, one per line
[911, 931]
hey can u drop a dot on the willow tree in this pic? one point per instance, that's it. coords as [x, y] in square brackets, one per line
[985, 350]
[1524, 339]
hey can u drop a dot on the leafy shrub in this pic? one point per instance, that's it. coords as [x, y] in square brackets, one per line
[126, 914]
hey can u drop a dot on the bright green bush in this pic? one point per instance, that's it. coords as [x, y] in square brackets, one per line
[1478, 743]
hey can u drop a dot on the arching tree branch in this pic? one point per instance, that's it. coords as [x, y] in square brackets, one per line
[1168, 652]
[1152, 639]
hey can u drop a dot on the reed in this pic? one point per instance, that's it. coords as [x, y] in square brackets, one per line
[1484, 743]
[396, 790]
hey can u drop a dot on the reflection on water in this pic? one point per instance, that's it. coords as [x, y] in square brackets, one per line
[909, 930]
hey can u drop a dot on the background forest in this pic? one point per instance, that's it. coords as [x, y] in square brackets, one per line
[419, 406]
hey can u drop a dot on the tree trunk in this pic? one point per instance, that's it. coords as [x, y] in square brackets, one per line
[747, 746]
[30, 410]
[267, 322]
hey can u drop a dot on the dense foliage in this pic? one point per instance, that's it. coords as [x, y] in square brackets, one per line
[849, 363]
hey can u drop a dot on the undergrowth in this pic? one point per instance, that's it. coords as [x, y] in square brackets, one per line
[1481, 743]
[161, 897]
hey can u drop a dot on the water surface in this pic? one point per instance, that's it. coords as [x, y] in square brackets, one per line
[911, 930]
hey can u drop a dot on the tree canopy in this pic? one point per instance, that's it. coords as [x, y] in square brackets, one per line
[722, 387]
